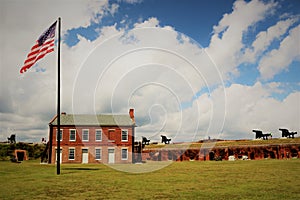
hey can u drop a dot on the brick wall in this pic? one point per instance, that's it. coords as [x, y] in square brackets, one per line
[284, 151]
[111, 138]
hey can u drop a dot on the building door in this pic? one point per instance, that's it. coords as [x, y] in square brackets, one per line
[85, 156]
[20, 156]
[111, 156]
[56, 155]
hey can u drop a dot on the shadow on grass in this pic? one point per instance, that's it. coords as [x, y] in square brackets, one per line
[80, 168]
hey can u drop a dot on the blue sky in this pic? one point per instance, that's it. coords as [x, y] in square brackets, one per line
[195, 19]
[180, 14]
[190, 68]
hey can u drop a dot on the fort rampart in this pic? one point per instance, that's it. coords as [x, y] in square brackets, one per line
[253, 152]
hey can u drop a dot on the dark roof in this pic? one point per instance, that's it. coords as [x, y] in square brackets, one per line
[93, 120]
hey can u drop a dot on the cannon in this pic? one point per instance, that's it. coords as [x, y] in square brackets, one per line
[12, 139]
[286, 133]
[145, 141]
[165, 140]
[260, 134]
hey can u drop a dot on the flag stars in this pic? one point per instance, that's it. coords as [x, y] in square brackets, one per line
[44, 45]
[50, 33]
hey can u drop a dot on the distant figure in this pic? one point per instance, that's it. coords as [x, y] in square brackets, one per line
[12, 139]
[44, 141]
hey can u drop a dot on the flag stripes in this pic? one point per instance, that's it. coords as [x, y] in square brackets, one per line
[43, 46]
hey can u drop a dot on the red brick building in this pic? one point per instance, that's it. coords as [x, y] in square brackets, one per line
[93, 138]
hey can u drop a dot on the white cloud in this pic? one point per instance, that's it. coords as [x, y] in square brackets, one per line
[247, 108]
[265, 38]
[151, 22]
[154, 69]
[252, 107]
[279, 59]
[33, 95]
[226, 42]
[148, 68]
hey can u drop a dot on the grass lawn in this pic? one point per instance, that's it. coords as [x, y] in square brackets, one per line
[254, 179]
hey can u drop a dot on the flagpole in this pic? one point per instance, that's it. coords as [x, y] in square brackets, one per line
[58, 101]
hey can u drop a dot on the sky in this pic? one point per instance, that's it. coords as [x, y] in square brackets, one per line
[191, 69]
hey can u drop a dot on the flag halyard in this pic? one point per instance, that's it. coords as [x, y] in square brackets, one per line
[43, 46]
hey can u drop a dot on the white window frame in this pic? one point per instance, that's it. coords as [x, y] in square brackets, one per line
[100, 149]
[61, 131]
[126, 153]
[125, 130]
[60, 155]
[71, 148]
[100, 135]
[88, 135]
[70, 135]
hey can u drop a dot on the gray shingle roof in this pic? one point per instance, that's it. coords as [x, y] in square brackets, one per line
[94, 120]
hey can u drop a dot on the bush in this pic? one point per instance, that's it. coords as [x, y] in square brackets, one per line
[34, 151]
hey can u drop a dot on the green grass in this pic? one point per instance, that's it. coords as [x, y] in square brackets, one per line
[255, 179]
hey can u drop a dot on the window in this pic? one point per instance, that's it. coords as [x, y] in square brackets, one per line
[61, 135]
[71, 154]
[59, 155]
[72, 135]
[98, 154]
[85, 135]
[124, 154]
[98, 135]
[124, 135]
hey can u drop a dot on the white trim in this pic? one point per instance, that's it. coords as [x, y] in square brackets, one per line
[96, 135]
[126, 153]
[98, 148]
[113, 155]
[82, 155]
[62, 132]
[60, 155]
[126, 130]
[88, 135]
[69, 153]
[70, 135]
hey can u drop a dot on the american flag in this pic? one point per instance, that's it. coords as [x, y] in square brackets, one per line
[43, 46]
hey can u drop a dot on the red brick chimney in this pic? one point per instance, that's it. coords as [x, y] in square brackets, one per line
[131, 114]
